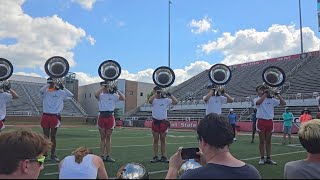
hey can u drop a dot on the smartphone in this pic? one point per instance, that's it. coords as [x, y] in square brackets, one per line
[189, 153]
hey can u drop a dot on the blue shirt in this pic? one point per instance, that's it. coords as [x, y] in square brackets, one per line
[232, 118]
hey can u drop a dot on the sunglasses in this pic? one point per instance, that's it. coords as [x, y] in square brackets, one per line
[39, 160]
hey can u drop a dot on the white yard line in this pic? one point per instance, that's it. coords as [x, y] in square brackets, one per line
[281, 154]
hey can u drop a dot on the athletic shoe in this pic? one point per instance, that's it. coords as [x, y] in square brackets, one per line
[164, 159]
[55, 158]
[155, 159]
[269, 161]
[109, 159]
[252, 141]
[235, 139]
[261, 161]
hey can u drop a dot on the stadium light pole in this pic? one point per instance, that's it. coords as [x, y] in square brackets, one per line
[169, 3]
[301, 39]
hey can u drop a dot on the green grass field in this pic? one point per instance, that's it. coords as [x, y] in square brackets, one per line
[135, 145]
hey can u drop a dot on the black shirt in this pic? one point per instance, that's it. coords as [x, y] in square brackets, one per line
[216, 171]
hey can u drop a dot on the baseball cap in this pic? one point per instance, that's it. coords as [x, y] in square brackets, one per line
[231, 109]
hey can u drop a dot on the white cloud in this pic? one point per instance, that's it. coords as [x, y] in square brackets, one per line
[86, 4]
[27, 74]
[85, 78]
[203, 25]
[146, 75]
[37, 39]
[251, 45]
[113, 21]
[91, 40]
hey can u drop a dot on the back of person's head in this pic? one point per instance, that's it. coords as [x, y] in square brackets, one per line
[20, 145]
[215, 130]
[309, 136]
[80, 153]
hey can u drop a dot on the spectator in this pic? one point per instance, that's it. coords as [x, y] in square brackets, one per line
[254, 124]
[215, 136]
[309, 168]
[82, 164]
[21, 154]
[305, 116]
[287, 124]
[232, 120]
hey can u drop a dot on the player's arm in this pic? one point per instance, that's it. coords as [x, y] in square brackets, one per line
[282, 101]
[99, 91]
[14, 94]
[152, 97]
[174, 99]
[229, 98]
[207, 97]
[44, 88]
[262, 98]
[121, 96]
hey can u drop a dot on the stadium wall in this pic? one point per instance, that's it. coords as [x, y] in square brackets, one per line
[35, 120]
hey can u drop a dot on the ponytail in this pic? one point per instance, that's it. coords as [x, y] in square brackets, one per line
[80, 153]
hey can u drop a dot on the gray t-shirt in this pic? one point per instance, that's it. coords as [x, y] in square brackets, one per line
[217, 171]
[302, 169]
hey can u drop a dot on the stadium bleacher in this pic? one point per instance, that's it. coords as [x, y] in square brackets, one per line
[30, 101]
[302, 81]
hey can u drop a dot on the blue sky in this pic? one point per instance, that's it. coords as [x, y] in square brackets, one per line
[135, 34]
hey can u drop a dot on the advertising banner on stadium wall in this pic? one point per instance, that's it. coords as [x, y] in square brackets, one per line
[176, 124]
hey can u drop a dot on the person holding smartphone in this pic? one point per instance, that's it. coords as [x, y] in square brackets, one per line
[215, 135]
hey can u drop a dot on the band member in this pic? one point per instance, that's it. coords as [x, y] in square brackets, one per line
[53, 95]
[214, 100]
[107, 98]
[265, 113]
[160, 105]
[6, 95]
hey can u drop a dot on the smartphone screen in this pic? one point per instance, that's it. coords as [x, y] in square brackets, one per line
[189, 153]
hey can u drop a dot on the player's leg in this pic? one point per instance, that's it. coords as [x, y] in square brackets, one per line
[253, 131]
[262, 137]
[269, 130]
[284, 134]
[53, 133]
[163, 143]
[155, 136]
[103, 135]
[108, 145]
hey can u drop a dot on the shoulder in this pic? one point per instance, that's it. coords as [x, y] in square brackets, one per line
[293, 165]
[253, 171]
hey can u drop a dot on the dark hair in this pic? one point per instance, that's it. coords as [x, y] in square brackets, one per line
[20, 145]
[215, 130]
[260, 87]
[156, 88]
